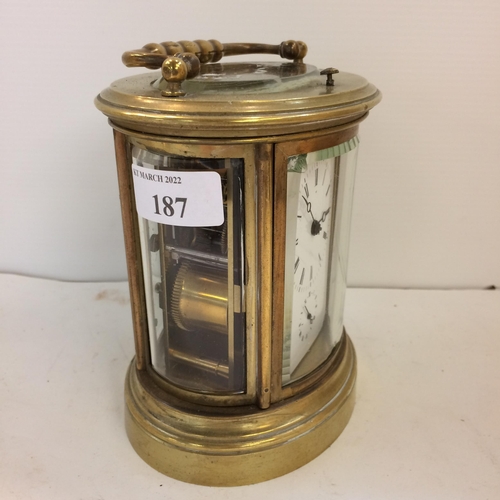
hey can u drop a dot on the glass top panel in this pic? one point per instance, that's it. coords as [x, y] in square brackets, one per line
[249, 78]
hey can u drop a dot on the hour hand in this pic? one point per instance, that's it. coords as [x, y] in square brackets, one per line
[325, 213]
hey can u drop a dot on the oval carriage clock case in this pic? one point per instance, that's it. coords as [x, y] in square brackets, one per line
[236, 184]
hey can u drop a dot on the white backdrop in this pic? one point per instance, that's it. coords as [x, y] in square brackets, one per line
[427, 205]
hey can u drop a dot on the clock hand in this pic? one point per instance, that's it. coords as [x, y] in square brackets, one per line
[310, 317]
[325, 213]
[308, 206]
[316, 224]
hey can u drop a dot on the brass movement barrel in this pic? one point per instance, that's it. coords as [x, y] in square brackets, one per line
[200, 298]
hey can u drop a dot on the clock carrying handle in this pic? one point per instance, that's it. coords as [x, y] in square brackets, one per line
[180, 61]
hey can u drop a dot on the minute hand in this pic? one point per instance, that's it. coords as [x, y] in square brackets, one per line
[308, 206]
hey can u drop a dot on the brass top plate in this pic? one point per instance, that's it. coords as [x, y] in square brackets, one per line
[239, 100]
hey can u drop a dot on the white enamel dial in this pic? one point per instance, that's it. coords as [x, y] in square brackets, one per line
[312, 249]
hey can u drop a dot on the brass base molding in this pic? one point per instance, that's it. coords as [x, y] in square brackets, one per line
[247, 445]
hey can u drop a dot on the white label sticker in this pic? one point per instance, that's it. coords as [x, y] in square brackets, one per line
[191, 199]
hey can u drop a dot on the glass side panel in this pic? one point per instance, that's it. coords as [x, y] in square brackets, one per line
[194, 280]
[319, 200]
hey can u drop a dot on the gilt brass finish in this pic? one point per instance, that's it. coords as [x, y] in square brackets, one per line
[254, 116]
[208, 366]
[153, 55]
[132, 249]
[197, 149]
[282, 152]
[135, 105]
[199, 299]
[245, 445]
[180, 61]
[176, 70]
[329, 72]
[265, 280]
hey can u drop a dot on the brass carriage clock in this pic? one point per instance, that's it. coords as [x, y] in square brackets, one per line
[236, 184]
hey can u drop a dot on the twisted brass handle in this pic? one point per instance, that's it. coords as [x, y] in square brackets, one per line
[180, 61]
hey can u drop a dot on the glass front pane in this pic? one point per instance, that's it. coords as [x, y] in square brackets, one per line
[193, 274]
[319, 200]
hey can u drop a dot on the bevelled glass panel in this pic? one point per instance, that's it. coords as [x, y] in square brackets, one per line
[194, 274]
[319, 200]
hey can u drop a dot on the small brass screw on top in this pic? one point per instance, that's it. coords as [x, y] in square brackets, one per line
[329, 78]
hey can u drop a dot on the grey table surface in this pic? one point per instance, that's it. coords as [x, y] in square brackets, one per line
[426, 423]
